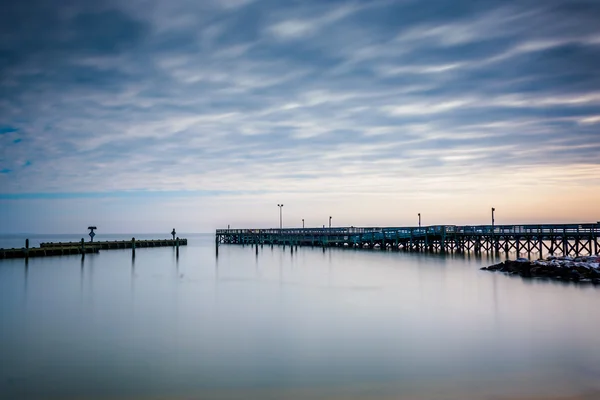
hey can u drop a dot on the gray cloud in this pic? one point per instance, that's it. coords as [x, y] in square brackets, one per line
[208, 95]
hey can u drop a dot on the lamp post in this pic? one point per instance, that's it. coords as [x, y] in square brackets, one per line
[330, 222]
[302, 223]
[419, 220]
[493, 209]
[280, 207]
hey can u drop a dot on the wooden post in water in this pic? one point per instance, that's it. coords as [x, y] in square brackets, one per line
[82, 248]
[133, 247]
[596, 249]
[443, 240]
[26, 249]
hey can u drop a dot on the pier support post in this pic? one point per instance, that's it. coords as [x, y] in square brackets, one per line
[133, 247]
[596, 231]
[26, 248]
[595, 236]
[82, 247]
[443, 240]
[217, 246]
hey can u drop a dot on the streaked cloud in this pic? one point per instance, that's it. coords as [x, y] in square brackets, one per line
[311, 101]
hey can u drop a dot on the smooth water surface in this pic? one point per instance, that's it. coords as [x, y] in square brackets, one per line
[315, 323]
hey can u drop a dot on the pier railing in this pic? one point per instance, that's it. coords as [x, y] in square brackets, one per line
[589, 228]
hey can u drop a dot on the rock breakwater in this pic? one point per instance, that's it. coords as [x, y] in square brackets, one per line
[580, 269]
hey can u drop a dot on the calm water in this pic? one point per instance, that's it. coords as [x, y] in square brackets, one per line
[312, 324]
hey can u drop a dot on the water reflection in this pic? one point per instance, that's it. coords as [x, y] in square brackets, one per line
[326, 320]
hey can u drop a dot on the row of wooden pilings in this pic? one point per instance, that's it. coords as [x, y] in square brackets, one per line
[82, 247]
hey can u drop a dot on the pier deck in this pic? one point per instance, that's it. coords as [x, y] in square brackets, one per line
[67, 248]
[556, 239]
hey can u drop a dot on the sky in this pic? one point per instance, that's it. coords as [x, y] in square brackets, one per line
[144, 115]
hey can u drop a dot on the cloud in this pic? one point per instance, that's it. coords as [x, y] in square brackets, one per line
[307, 100]
[294, 28]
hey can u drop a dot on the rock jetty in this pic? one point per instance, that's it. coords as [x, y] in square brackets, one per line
[580, 269]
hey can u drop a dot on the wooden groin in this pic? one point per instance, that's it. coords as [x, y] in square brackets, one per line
[120, 244]
[45, 251]
[70, 248]
[560, 239]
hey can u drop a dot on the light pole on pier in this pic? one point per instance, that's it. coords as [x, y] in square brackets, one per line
[330, 222]
[302, 223]
[419, 220]
[280, 207]
[493, 209]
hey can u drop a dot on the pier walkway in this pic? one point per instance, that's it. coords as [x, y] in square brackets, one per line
[561, 239]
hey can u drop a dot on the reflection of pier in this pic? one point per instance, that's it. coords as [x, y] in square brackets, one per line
[569, 239]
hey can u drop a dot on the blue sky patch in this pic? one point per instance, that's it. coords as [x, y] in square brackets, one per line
[7, 129]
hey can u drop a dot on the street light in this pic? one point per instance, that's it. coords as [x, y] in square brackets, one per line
[419, 220]
[493, 209]
[330, 222]
[280, 207]
[302, 223]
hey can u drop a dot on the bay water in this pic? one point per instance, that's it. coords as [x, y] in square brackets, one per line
[315, 324]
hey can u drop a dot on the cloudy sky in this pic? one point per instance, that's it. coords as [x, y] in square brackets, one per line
[141, 115]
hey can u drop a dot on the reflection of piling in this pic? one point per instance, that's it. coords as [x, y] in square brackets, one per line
[26, 249]
[132, 247]
[82, 248]
[217, 246]
[177, 246]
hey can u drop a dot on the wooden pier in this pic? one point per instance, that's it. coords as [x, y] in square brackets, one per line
[68, 248]
[565, 239]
